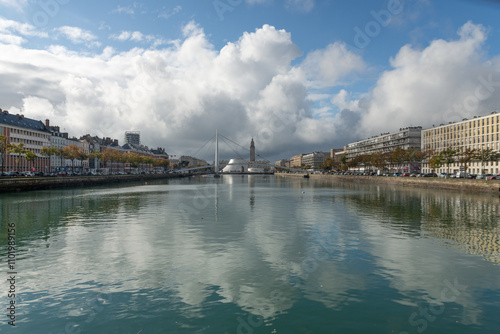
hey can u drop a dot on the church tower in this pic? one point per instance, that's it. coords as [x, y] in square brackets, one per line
[252, 151]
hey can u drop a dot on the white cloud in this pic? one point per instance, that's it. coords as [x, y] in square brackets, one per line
[78, 35]
[168, 14]
[11, 39]
[300, 5]
[440, 83]
[10, 31]
[137, 36]
[16, 4]
[178, 95]
[329, 66]
[124, 10]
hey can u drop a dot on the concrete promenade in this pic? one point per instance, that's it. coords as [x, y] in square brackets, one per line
[489, 186]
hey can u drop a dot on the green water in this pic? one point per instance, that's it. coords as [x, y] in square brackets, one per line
[252, 254]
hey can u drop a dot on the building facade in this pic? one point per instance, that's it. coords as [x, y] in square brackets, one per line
[406, 138]
[133, 137]
[478, 133]
[34, 134]
[315, 159]
[296, 161]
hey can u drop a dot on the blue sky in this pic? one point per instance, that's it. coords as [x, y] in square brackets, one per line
[297, 75]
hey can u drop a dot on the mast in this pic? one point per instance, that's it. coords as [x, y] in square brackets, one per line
[216, 168]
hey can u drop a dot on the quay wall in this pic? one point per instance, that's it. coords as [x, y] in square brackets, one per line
[489, 186]
[39, 183]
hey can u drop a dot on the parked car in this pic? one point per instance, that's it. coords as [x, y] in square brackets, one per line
[483, 176]
[494, 177]
[429, 175]
[471, 176]
[461, 175]
[406, 174]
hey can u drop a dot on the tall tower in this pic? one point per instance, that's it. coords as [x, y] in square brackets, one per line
[252, 151]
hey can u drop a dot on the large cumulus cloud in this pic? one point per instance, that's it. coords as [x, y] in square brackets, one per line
[177, 96]
[257, 86]
[446, 81]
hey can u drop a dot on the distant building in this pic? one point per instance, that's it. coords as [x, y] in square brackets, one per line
[405, 138]
[133, 137]
[191, 161]
[282, 163]
[34, 134]
[479, 133]
[315, 159]
[296, 161]
[386, 142]
[252, 150]
[334, 151]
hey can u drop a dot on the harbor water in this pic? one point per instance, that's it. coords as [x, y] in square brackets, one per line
[250, 254]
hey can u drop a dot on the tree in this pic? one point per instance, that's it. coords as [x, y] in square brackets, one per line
[379, 160]
[484, 155]
[16, 149]
[413, 155]
[466, 156]
[397, 156]
[343, 161]
[436, 161]
[327, 164]
[3, 149]
[449, 157]
[30, 156]
[50, 151]
[72, 152]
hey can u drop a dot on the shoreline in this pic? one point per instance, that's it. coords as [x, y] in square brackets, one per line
[19, 184]
[486, 186]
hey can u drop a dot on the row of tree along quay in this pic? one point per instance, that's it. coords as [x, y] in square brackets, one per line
[413, 156]
[74, 153]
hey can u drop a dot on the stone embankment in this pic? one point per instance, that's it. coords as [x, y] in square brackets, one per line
[491, 186]
[13, 184]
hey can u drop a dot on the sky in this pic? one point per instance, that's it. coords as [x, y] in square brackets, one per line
[296, 75]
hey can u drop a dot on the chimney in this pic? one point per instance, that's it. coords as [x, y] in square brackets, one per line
[47, 124]
[65, 135]
[22, 116]
[115, 142]
[6, 112]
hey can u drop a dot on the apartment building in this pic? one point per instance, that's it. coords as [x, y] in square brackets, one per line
[315, 159]
[296, 161]
[405, 138]
[34, 134]
[479, 133]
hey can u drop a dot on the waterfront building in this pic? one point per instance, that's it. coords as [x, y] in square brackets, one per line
[34, 134]
[76, 164]
[478, 133]
[315, 159]
[334, 151]
[58, 140]
[405, 138]
[296, 161]
[94, 146]
[282, 163]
